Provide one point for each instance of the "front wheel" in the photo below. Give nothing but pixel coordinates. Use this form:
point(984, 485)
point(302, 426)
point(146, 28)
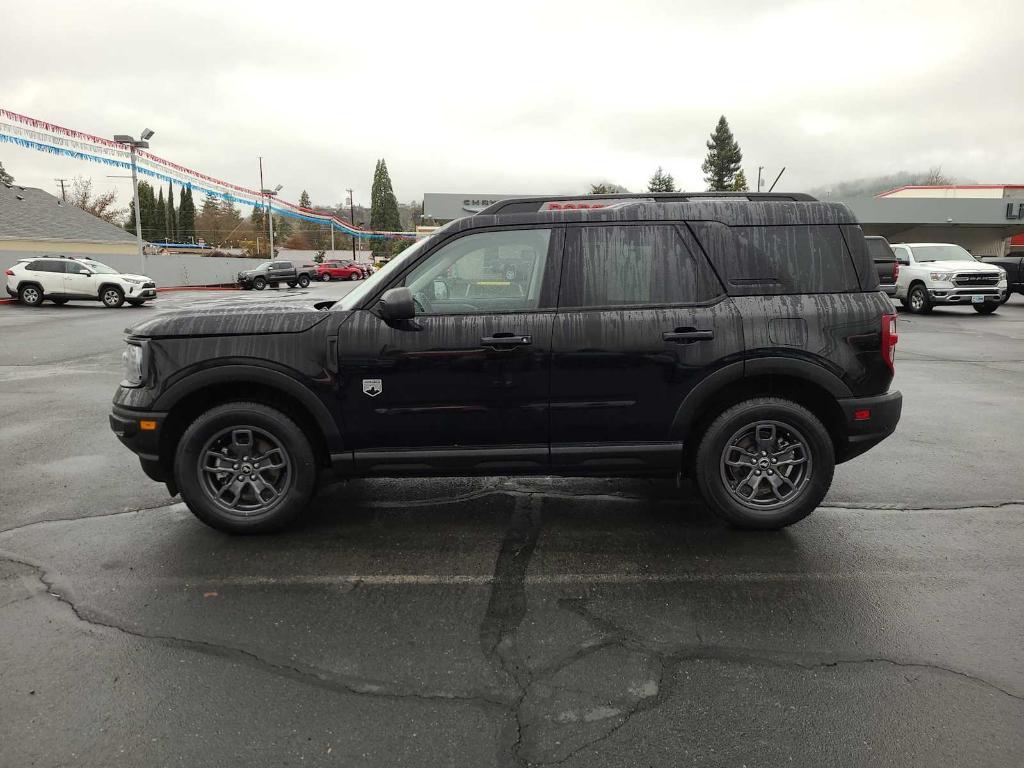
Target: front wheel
point(112, 297)
point(136, 302)
point(987, 308)
point(259, 283)
point(303, 281)
point(325, 277)
point(245, 468)
point(59, 302)
point(765, 463)
point(917, 300)
point(1006, 298)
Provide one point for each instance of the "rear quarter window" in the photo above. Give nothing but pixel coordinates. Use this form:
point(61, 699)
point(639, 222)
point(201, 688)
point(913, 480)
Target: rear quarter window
point(776, 260)
point(46, 266)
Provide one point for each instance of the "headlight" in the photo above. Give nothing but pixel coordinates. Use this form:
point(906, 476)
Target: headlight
point(134, 281)
point(131, 363)
point(942, 277)
point(1002, 275)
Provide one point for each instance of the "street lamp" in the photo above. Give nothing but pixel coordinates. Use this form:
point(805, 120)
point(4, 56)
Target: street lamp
point(270, 194)
point(135, 144)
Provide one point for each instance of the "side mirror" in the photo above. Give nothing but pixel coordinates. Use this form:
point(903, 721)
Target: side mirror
point(397, 304)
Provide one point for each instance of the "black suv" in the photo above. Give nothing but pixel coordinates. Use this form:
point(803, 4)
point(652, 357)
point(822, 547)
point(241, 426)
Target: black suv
point(738, 340)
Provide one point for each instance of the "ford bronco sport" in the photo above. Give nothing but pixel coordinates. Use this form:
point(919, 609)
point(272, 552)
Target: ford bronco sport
point(740, 340)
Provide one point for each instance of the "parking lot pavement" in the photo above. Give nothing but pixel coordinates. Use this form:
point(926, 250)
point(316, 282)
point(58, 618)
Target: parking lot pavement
point(509, 622)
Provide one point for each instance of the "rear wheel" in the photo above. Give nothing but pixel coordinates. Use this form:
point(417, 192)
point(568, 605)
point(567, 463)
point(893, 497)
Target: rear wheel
point(112, 297)
point(765, 463)
point(59, 302)
point(245, 468)
point(30, 295)
point(303, 281)
point(918, 301)
point(326, 277)
point(987, 308)
point(292, 283)
point(259, 283)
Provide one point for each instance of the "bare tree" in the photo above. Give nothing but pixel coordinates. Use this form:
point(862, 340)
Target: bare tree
point(936, 177)
point(101, 205)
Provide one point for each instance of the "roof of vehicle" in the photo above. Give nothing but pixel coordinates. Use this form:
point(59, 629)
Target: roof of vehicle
point(535, 204)
point(727, 208)
point(918, 245)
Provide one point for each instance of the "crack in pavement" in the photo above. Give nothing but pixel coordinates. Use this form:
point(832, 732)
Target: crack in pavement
point(303, 675)
point(102, 516)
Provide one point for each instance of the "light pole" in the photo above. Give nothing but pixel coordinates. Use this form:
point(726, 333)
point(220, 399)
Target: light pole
point(135, 144)
point(270, 194)
point(352, 218)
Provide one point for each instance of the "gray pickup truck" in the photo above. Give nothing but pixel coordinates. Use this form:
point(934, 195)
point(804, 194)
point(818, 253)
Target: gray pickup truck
point(885, 263)
point(1013, 263)
point(274, 273)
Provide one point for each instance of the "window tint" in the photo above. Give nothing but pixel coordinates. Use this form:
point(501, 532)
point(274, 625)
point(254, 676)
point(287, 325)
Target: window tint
point(771, 260)
point(632, 265)
point(879, 249)
point(282, 264)
point(482, 272)
point(46, 266)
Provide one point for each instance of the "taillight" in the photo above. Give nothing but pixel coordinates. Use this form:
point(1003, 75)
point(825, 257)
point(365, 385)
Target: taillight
point(895, 271)
point(889, 339)
point(9, 272)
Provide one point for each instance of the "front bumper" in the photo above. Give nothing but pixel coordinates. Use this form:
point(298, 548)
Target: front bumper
point(867, 421)
point(964, 295)
point(140, 431)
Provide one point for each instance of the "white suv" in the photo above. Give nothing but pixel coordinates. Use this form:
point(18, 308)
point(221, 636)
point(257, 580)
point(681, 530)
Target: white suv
point(942, 273)
point(61, 279)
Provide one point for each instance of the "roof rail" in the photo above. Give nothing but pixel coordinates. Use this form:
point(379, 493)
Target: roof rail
point(536, 204)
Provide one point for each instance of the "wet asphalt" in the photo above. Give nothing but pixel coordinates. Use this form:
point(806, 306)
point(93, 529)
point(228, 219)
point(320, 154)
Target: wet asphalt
point(503, 622)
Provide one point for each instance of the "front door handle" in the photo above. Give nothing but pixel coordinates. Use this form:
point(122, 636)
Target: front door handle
point(506, 340)
point(687, 335)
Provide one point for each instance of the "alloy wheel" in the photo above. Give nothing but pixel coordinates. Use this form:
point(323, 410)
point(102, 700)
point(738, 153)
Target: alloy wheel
point(244, 470)
point(766, 464)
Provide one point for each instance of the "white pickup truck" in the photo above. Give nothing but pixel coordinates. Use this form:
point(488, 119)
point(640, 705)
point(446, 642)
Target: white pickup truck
point(944, 274)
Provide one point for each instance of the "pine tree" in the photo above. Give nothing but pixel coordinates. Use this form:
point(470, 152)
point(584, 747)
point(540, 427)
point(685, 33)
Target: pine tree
point(172, 216)
point(383, 208)
point(606, 188)
point(304, 201)
point(723, 158)
point(5, 177)
point(186, 216)
point(147, 211)
point(661, 182)
point(739, 184)
point(160, 217)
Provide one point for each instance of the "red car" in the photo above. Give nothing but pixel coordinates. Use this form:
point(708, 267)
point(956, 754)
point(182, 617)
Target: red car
point(338, 270)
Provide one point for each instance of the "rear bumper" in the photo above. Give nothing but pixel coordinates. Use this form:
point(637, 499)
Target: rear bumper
point(889, 289)
point(868, 421)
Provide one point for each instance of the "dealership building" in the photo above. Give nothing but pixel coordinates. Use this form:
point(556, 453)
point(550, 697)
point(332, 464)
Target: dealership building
point(986, 219)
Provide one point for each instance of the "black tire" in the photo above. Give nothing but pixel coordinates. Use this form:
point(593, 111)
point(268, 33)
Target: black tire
point(59, 302)
point(30, 295)
point(136, 302)
point(303, 281)
point(259, 283)
point(293, 483)
point(721, 484)
point(353, 277)
point(987, 308)
point(292, 283)
point(325, 277)
point(1006, 297)
point(918, 302)
point(112, 296)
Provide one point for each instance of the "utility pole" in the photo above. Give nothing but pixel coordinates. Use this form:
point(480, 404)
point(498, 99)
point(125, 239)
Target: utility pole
point(264, 200)
point(759, 182)
point(63, 193)
point(136, 144)
point(269, 195)
point(352, 218)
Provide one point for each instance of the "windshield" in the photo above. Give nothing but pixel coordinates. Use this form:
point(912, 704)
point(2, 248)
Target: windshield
point(941, 253)
point(370, 284)
point(100, 269)
point(263, 265)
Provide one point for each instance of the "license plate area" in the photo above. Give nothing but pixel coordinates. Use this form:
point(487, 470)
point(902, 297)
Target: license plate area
point(977, 299)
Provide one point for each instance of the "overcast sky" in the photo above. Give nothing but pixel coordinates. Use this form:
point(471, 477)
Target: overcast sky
point(522, 97)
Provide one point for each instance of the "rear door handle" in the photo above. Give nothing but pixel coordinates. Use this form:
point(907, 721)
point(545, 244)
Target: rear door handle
point(506, 340)
point(687, 335)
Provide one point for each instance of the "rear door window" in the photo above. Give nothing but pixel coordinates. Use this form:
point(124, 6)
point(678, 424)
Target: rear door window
point(879, 250)
point(643, 265)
